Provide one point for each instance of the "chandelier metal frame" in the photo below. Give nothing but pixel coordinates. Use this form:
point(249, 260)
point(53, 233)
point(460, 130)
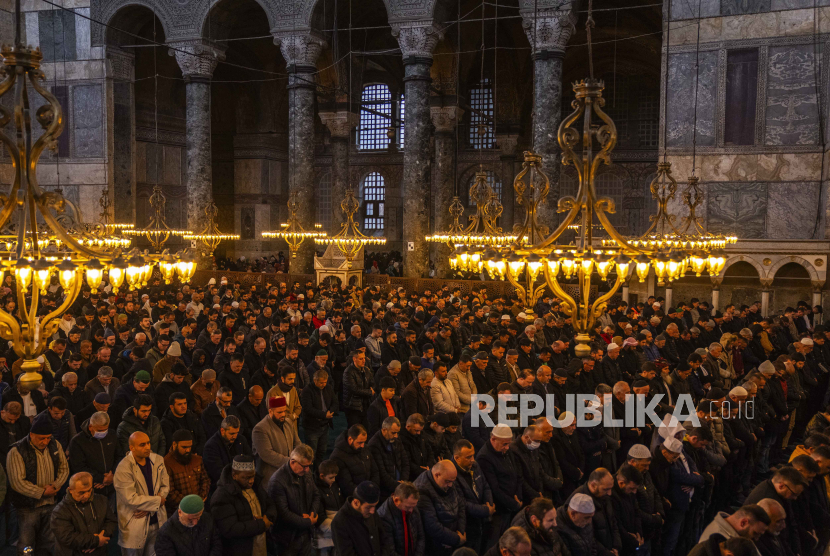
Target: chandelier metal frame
point(211, 236)
point(292, 231)
point(350, 240)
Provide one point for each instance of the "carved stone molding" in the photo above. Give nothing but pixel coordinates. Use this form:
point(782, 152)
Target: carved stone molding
point(445, 118)
point(300, 49)
point(507, 144)
point(341, 123)
point(121, 65)
point(552, 29)
point(416, 38)
point(197, 57)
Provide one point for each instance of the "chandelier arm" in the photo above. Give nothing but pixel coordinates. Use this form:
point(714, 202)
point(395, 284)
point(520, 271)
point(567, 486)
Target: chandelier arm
point(557, 289)
point(621, 241)
point(50, 135)
point(537, 293)
point(21, 302)
point(64, 236)
point(569, 219)
point(68, 299)
point(11, 331)
point(515, 283)
point(568, 137)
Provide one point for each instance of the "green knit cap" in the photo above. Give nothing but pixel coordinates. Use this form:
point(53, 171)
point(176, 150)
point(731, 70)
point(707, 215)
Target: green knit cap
point(191, 504)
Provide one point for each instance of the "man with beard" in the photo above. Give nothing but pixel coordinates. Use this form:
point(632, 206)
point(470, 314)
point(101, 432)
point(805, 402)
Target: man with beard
point(251, 410)
point(185, 469)
point(538, 520)
point(204, 391)
point(627, 482)
point(389, 349)
point(178, 417)
point(649, 500)
point(266, 377)
point(139, 418)
point(477, 494)
point(389, 456)
point(771, 543)
point(503, 474)
point(285, 388)
point(222, 447)
point(292, 359)
point(274, 438)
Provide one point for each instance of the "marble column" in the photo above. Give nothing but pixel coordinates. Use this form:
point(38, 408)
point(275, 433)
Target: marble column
point(445, 119)
point(340, 125)
point(416, 39)
point(625, 292)
point(715, 298)
point(668, 296)
point(197, 60)
point(817, 285)
point(548, 31)
point(765, 297)
point(301, 51)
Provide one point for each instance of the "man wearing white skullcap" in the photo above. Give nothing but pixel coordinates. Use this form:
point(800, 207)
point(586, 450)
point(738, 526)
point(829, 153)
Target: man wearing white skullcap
point(680, 477)
point(573, 523)
point(501, 469)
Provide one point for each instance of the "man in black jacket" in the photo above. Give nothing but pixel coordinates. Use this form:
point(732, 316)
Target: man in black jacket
point(504, 475)
point(83, 521)
point(221, 449)
point(418, 450)
point(240, 530)
point(355, 527)
point(251, 410)
point(627, 482)
point(568, 453)
point(443, 509)
point(358, 389)
point(477, 494)
point(390, 457)
point(178, 416)
point(320, 405)
point(353, 459)
point(402, 507)
point(13, 427)
point(538, 520)
point(298, 502)
point(93, 451)
point(606, 529)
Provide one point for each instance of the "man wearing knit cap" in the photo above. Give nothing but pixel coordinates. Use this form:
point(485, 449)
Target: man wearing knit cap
point(186, 471)
point(36, 468)
point(504, 475)
point(189, 531)
point(355, 528)
point(242, 509)
point(273, 439)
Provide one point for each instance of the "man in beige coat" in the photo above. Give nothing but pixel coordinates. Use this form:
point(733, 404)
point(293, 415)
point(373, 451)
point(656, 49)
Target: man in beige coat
point(463, 383)
point(284, 388)
point(140, 504)
point(273, 438)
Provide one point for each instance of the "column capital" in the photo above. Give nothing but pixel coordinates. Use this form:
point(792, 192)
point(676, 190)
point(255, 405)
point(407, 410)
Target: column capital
point(445, 118)
point(507, 144)
point(340, 123)
point(417, 39)
point(300, 49)
point(197, 58)
point(548, 31)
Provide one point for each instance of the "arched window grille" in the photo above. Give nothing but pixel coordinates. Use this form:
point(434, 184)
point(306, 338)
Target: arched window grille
point(375, 117)
point(374, 201)
point(481, 116)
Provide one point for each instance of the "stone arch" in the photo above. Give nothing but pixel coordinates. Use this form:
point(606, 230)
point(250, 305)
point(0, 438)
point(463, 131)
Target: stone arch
point(203, 10)
point(107, 10)
point(762, 274)
point(811, 270)
point(305, 15)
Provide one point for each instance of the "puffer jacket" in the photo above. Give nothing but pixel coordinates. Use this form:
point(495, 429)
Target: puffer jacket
point(580, 541)
point(391, 461)
point(391, 521)
point(132, 496)
point(606, 528)
point(130, 424)
point(357, 384)
point(97, 457)
point(286, 489)
point(175, 539)
point(75, 526)
point(355, 465)
point(237, 525)
point(542, 543)
point(443, 513)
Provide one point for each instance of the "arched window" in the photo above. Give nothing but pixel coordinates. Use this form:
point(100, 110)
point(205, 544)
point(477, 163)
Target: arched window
point(375, 117)
point(324, 208)
point(492, 180)
point(481, 116)
point(374, 199)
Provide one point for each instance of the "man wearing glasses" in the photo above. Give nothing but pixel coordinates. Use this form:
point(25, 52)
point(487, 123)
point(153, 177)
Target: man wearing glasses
point(298, 503)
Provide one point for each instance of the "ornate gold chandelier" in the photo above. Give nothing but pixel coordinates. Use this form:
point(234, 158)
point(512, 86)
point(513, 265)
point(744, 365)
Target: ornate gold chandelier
point(157, 232)
point(34, 253)
point(481, 231)
point(535, 261)
point(292, 231)
point(350, 240)
point(211, 237)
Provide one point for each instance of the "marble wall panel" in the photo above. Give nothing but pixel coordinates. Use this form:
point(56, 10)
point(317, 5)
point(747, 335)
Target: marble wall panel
point(681, 99)
point(737, 209)
point(792, 210)
point(88, 121)
point(688, 9)
point(56, 29)
point(791, 111)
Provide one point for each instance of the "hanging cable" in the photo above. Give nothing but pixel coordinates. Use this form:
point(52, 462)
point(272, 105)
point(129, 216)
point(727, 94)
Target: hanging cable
point(817, 81)
point(666, 87)
point(697, 79)
point(589, 24)
point(457, 95)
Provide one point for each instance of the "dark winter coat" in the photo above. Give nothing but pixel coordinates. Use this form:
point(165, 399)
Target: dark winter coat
point(580, 541)
point(391, 522)
point(171, 423)
point(504, 475)
point(542, 543)
point(418, 453)
point(287, 490)
point(97, 457)
point(355, 536)
point(175, 539)
point(391, 461)
point(443, 513)
point(232, 513)
point(355, 465)
point(606, 528)
point(218, 455)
